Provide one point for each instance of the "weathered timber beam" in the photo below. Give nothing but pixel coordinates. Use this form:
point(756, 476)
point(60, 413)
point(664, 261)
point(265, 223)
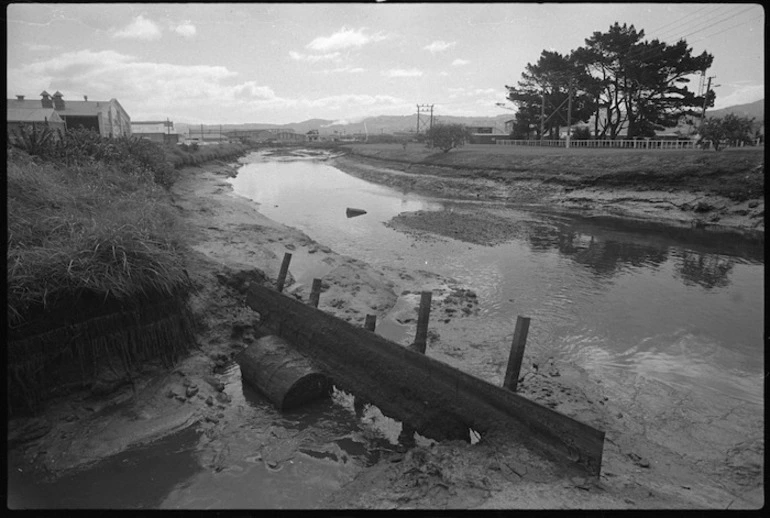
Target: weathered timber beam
point(438, 400)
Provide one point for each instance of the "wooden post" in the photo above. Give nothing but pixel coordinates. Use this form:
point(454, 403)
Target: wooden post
point(421, 337)
point(315, 292)
point(283, 272)
point(371, 322)
point(517, 353)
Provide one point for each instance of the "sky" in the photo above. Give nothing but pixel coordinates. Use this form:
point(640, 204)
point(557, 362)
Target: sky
point(220, 63)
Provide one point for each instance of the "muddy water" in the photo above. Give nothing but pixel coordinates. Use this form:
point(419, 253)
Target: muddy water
point(685, 307)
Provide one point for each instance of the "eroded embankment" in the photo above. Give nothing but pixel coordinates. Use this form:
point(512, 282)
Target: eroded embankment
point(645, 197)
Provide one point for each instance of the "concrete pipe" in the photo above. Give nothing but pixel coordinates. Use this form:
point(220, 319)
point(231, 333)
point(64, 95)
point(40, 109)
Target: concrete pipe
point(286, 377)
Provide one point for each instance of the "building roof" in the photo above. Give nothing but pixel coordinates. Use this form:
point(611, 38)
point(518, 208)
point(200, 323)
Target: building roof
point(33, 115)
point(76, 108)
point(168, 123)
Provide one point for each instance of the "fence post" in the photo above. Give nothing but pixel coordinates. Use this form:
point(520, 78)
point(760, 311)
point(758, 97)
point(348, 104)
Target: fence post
point(517, 353)
point(283, 272)
point(420, 339)
point(370, 323)
point(315, 292)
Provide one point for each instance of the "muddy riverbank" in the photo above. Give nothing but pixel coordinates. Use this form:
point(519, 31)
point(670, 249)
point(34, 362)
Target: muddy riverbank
point(648, 461)
point(567, 183)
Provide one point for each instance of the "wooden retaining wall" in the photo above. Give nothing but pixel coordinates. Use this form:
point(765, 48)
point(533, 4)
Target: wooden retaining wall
point(42, 364)
point(439, 401)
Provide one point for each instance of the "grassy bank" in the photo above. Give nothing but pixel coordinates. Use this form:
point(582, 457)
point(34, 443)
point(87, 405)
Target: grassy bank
point(737, 174)
point(183, 155)
point(93, 240)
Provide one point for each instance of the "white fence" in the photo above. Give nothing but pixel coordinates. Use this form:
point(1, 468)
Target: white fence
point(626, 144)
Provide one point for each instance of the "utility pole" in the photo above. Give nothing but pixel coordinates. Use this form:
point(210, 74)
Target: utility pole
point(569, 115)
point(542, 116)
point(705, 99)
point(423, 108)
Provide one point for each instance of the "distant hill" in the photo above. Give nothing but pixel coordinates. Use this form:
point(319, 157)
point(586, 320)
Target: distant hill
point(390, 124)
point(755, 109)
point(372, 125)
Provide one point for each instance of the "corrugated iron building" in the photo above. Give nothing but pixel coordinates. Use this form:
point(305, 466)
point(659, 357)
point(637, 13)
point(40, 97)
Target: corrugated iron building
point(107, 117)
point(161, 132)
point(33, 117)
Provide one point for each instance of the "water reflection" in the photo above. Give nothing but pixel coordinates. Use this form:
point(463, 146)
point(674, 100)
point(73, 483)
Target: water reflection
point(607, 256)
point(707, 270)
point(602, 257)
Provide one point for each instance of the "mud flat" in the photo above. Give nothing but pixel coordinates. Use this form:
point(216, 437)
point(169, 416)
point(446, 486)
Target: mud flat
point(694, 454)
point(685, 200)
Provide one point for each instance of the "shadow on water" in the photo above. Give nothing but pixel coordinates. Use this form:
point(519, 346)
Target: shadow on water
point(139, 478)
point(266, 459)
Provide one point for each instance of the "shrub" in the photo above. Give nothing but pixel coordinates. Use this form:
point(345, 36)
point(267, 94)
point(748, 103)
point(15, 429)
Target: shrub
point(730, 128)
point(581, 133)
point(446, 136)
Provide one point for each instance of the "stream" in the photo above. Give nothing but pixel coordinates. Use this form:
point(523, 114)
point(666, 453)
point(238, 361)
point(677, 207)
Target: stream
point(684, 307)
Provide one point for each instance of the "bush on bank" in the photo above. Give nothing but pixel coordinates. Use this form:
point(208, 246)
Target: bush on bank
point(94, 228)
point(183, 155)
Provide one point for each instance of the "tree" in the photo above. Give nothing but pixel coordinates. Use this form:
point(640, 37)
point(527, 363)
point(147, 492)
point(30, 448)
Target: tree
point(640, 85)
point(545, 88)
point(446, 136)
point(730, 128)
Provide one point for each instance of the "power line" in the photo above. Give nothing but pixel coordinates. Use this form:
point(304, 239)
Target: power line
point(716, 23)
point(655, 51)
point(688, 18)
point(725, 30)
point(689, 24)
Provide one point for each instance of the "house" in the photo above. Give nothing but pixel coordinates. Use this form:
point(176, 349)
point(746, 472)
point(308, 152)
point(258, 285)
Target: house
point(313, 136)
point(161, 132)
point(33, 118)
point(107, 117)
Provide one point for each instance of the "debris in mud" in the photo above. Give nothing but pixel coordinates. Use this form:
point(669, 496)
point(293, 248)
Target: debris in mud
point(352, 213)
point(638, 460)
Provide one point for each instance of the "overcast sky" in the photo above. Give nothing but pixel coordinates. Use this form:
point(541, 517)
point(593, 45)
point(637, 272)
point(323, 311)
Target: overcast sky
point(281, 63)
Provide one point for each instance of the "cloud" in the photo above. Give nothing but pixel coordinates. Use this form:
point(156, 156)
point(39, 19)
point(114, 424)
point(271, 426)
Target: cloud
point(204, 93)
point(35, 47)
point(185, 29)
point(340, 70)
point(400, 72)
point(460, 62)
point(343, 39)
point(439, 46)
point(314, 58)
point(141, 29)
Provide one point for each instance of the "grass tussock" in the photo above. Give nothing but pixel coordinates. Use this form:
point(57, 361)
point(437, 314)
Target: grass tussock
point(86, 229)
point(183, 155)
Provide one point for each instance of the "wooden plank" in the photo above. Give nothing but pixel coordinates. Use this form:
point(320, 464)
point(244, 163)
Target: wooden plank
point(423, 317)
point(283, 271)
point(517, 354)
point(315, 293)
point(439, 401)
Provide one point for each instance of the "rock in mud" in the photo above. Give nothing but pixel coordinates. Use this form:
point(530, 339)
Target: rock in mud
point(214, 382)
